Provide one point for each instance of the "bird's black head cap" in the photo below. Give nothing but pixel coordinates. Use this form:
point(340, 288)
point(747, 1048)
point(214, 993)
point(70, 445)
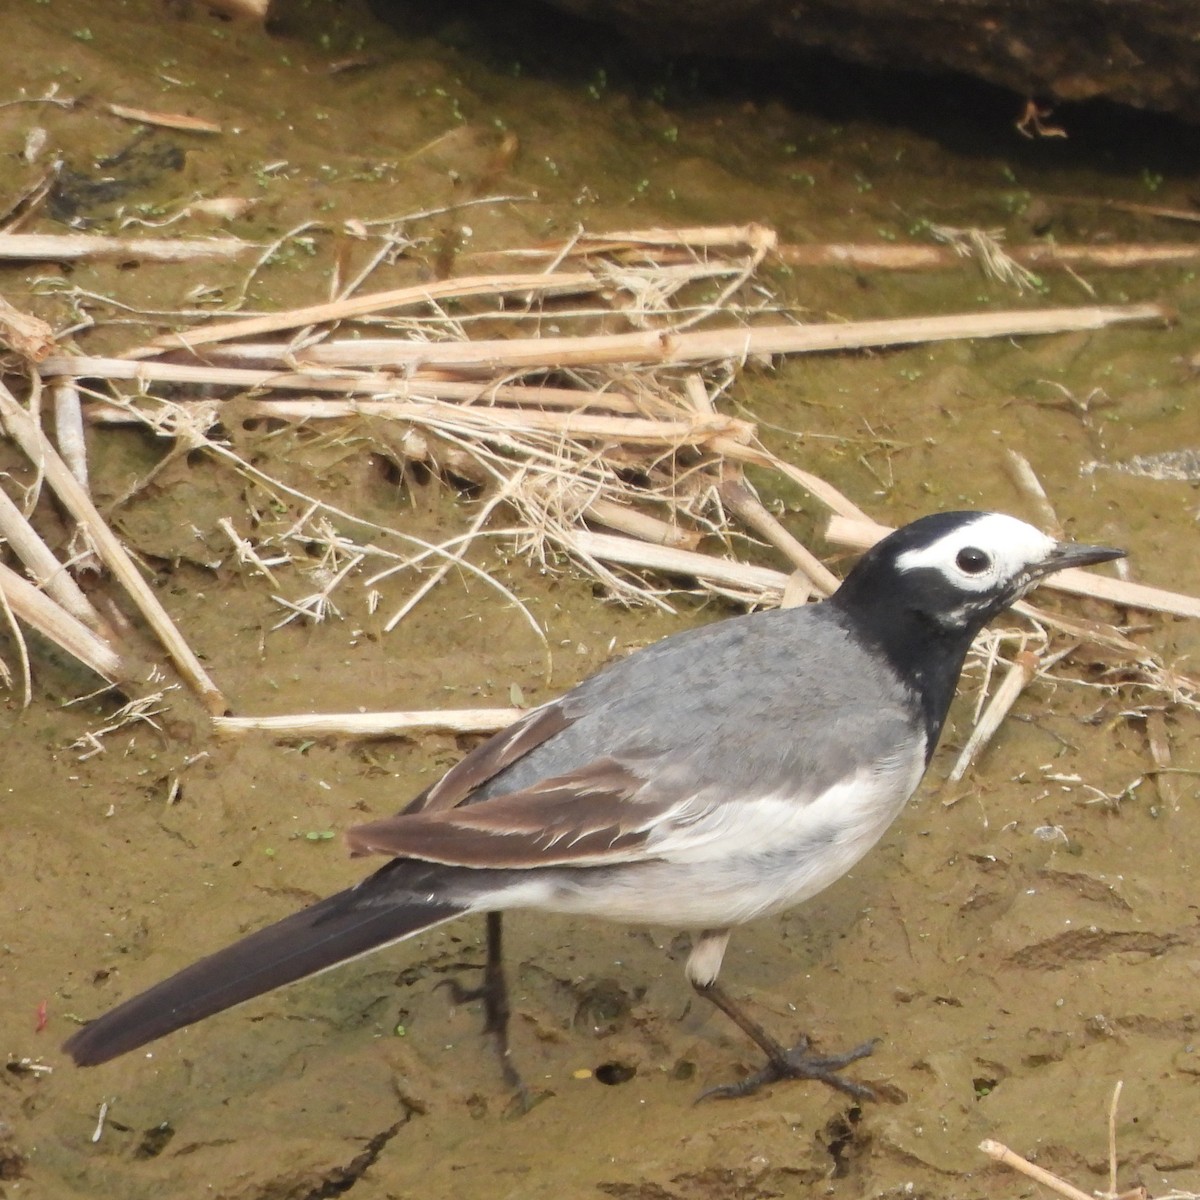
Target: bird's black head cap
point(923, 593)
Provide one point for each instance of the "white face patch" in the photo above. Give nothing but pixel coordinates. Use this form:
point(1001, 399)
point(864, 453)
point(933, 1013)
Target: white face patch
point(985, 555)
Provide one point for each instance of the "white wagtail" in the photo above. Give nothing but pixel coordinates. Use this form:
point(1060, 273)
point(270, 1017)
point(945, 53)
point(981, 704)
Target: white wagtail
point(722, 774)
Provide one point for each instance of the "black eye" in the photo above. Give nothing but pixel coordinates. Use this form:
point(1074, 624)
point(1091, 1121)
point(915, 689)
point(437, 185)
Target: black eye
point(972, 560)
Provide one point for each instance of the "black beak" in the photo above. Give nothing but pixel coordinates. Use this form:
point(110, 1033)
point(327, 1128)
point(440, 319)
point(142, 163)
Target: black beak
point(1074, 554)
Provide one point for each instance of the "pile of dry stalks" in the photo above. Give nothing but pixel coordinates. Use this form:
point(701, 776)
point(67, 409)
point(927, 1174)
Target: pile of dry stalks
point(581, 399)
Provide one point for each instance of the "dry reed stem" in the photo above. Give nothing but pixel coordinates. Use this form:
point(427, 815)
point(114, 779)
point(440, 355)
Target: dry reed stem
point(753, 237)
point(143, 373)
point(877, 256)
point(245, 551)
point(1159, 742)
point(637, 348)
point(374, 302)
point(636, 524)
point(1026, 479)
point(164, 120)
point(28, 435)
point(1022, 671)
point(35, 608)
point(68, 429)
point(51, 576)
point(885, 256)
point(663, 347)
point(18, 638)
point(479, 394)
point(1112, 1137)
point(1073, 580)
point(763, 583)
point(481, 422)
point(818, 488)
point(1010, 1158)
point(743, 503)
point(374, 725)
point(29, 336)
point(64, 247)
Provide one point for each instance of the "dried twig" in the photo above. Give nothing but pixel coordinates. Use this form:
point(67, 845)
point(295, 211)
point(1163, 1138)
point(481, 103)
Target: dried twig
point(18, 637)
point(375, 302)
point(745, 504)
point(1023, 669)
point(64, 247)
point(1026, 479)
point(667, 348)
point(532, 395)
point(73, 636)
point(484, 422)
point(68, 429)
point(1112, 1138)
point(625, 519)
point(164, 120)
point(372, 725)
point(41, 563)
point(22, 428)
point(763, 584)
point(245, 551)
point(692, 238)
point(888, 256)
point(1010, 1158)
point(868, 256)
point(612, 442)
point(29, 336)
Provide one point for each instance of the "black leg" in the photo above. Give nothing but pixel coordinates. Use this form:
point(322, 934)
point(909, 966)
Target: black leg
point(782, 1063)
point(493, 991)
point(496, 1007)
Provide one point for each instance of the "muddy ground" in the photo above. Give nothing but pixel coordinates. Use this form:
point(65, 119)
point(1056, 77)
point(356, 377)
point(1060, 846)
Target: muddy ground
point(1020, 941)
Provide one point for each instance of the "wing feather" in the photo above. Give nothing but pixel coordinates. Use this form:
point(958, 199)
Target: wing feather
point(487, 760)
point(587, 817)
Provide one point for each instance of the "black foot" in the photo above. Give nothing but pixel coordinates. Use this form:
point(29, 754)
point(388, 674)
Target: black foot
point(797, 1063)
point(495, 1026)
point(459, 994)
point(494, 994)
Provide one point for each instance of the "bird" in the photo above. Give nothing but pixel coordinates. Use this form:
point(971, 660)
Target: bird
point(721, 775)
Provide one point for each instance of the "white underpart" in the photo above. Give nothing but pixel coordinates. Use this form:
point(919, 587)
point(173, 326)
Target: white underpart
point(738, 860)
point(1012, 545)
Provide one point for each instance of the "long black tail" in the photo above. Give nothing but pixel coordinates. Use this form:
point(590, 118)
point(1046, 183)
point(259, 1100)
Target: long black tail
point(383, 908)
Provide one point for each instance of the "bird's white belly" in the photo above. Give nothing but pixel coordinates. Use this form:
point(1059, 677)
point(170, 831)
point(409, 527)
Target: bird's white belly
point(751, 859)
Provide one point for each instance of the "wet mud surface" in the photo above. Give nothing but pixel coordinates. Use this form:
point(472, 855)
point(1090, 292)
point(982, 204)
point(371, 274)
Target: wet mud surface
point(1019, 942)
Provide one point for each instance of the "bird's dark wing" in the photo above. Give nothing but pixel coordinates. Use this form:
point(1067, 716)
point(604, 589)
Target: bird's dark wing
point(487, 760)
point(585, 818)
point(645, 806)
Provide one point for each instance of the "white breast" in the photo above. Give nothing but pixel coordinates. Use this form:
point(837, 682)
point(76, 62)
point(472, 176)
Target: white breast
point(739, 860)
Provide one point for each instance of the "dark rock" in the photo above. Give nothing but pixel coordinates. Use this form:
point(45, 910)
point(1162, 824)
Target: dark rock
point(1143, 53)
